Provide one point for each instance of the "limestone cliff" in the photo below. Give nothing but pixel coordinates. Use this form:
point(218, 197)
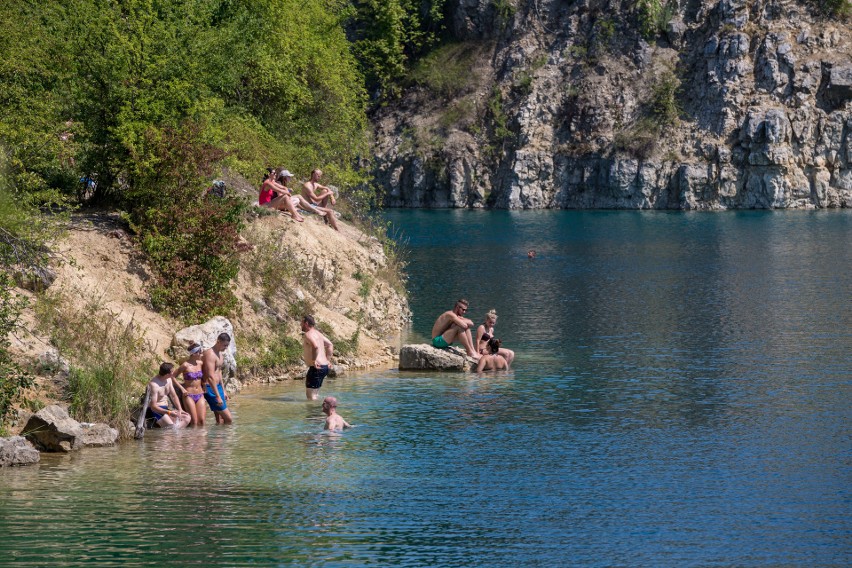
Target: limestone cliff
point(710, 105)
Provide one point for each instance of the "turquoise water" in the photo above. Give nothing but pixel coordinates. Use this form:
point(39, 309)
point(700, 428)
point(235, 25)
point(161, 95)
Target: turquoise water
point(681, 396)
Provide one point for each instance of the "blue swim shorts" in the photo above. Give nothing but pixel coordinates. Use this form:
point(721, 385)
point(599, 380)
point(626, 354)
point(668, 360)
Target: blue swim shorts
point(211, 398)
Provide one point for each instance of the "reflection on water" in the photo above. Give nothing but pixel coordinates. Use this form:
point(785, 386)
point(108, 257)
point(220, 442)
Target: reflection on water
point(680, 397)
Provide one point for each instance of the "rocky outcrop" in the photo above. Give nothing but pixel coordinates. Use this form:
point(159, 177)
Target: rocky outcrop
point(568, 106)
point(206, 334)
point(425, 357)
point(17, 451)
point(98, 435)
point(51, 429)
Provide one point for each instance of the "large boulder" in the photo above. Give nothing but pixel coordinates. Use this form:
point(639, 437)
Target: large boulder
point(206, 334)
point(17, 451)
point(98, 435)
point(425, 357)
point(52, 430)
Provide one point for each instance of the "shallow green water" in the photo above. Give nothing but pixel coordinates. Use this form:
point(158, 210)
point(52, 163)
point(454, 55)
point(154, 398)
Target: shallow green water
point(681, 397)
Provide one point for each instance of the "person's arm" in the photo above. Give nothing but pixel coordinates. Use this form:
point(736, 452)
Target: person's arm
point(315, 347)
point(481, 365)
point(480, 331)
point(463, 323)
point(172, 394)
point(329, 348)
point(208, 366)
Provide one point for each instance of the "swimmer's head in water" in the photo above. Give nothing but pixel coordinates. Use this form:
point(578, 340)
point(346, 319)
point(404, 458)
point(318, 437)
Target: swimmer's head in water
point(328, 403)
point(494, 345)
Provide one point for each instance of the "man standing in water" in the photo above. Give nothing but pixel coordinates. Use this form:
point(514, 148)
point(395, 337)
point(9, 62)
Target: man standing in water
point(451, 326)
point(317, 350)
point(211, 368)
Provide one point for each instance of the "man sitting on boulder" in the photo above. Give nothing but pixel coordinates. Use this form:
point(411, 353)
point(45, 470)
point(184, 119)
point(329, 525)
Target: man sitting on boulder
point(451, 326)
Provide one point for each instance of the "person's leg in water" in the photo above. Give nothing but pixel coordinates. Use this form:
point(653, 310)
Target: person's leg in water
point(201, 411)
point(507, 354)
point(189, 404)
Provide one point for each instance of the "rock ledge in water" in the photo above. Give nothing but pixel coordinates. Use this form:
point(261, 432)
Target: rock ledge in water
point(425, 357)
point(17, 451)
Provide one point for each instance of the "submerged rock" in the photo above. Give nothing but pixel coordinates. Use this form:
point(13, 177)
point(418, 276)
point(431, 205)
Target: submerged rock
point(426, 357)
point(17, 451)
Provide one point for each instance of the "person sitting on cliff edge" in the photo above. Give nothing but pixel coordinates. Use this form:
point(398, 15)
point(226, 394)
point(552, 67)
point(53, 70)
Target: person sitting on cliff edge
point(451, 326)
point(320, 196)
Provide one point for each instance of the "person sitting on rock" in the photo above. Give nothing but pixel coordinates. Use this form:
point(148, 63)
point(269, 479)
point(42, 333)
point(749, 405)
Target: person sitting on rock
point(160, 390)
point(451, 326)
point(492, 361)
point(334, 421)
point(321, 197)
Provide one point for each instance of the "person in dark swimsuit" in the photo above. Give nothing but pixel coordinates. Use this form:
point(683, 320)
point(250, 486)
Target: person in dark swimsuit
point(485, 332)
point(192, 389)
point(491, 361)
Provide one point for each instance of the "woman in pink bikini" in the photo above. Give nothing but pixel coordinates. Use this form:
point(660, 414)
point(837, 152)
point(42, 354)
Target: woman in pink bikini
point(193, 392)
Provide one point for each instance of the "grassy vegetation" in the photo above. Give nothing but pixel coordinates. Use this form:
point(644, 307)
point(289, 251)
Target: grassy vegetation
point(654, 16)
point(660, 112)
point(447, 71)
point(110, 360)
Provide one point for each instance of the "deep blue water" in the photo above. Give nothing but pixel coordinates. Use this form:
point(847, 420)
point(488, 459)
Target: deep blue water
point(681, 397)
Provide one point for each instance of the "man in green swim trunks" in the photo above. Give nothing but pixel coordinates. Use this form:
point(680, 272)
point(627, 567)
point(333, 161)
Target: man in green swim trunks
point(451, 326)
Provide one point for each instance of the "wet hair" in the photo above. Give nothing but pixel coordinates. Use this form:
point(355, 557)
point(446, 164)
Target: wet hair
point(492, 314)
point(166, 368)
point(494, 345)
point(224, 337)
point(309, 320)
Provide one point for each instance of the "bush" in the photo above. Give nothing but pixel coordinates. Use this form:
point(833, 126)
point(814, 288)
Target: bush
point(447, 71)
point(654, 16)
point(189, 237)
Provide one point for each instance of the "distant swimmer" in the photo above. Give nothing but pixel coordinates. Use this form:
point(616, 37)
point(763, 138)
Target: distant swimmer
point(492, 361)
point(317, 351)
point(451, 326)
point(531, 253)
point(334, 420)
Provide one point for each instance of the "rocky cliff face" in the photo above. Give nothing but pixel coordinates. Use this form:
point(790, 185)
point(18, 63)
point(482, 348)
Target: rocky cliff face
point(709, 105)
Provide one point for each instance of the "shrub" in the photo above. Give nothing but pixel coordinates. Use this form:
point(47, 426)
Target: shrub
point(110, 360)
point(447, 71)
point(654, 16)
point(189, 237)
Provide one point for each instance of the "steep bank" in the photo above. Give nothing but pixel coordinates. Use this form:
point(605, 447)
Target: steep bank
point(343, 278)
point(550, 104)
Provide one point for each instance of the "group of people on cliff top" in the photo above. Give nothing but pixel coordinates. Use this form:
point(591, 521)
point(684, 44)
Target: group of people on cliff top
point(487, 350)
point(275, 193)
point(203, 387)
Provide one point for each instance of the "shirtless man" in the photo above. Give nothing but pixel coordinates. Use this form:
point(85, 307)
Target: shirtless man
point(211, 369)
point(161, 390)
point(334, 420)
point(451, 326)
point(317, 350)
point(320, 196)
